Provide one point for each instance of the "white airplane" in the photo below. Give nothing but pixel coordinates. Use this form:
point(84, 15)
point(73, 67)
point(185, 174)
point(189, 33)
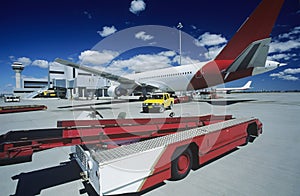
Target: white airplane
point(228, 90)
point(244, 55)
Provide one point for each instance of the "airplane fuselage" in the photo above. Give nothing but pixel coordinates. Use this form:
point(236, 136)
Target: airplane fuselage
point(175, 78)
point(195, 76)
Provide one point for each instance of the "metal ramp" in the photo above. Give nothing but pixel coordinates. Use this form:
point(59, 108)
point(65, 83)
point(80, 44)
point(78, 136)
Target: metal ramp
point(34, 93)
point(106, 156)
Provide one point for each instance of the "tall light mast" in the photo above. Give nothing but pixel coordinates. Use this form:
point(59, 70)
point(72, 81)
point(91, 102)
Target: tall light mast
point(179, 26)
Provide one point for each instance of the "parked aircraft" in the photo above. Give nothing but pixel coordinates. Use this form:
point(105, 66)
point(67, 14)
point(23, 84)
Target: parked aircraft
point(244, 55)
point(228, 90)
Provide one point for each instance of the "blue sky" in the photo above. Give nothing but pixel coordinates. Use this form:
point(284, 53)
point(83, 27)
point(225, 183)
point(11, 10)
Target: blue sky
point(36, 32)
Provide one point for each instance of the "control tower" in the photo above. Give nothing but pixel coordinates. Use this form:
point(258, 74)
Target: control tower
point(18, 68)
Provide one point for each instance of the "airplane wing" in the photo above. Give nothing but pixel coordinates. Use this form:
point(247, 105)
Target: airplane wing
point(126, 83)
point(113, 77)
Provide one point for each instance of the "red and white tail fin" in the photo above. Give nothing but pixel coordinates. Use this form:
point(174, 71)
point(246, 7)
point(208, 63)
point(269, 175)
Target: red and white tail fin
point(257, 27)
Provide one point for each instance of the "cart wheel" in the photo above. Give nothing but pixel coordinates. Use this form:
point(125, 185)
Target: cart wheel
point(181, 166)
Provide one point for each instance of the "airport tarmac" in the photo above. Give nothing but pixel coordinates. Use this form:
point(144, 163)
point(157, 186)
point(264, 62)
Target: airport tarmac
point(269, 166)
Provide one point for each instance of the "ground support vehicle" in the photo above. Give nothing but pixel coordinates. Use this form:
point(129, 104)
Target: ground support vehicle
point(131, 155)
point(21, 108)
point(158, 102)
point(142, 165)
point(11, 98)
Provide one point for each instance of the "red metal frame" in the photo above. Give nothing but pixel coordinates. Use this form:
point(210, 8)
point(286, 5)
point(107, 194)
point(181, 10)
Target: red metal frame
point(21, 108)
point(107, 133)
point(209, 146)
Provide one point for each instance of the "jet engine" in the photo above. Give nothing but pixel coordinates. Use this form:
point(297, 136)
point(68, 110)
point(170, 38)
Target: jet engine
point(116, 91)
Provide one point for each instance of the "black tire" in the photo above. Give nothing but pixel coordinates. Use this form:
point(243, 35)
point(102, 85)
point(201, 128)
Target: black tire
point(171, 106)
point(247, 140)
point(251, 133)
point(181, 166)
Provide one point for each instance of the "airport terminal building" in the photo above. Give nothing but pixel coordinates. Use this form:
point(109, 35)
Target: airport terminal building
point(63, 82)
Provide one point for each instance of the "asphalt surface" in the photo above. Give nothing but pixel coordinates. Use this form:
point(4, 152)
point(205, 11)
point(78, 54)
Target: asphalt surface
point(269, 166)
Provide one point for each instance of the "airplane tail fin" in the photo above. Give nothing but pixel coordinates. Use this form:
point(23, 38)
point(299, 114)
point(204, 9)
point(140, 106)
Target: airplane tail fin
point(247, 85)
point(257, 27)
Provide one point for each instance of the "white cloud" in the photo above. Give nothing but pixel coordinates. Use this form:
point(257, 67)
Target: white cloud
point(137, 6)
point(146, 62)
point(106, 31)
point(92, 57)
point(55, 65)
point(40, 63)
point(185, 60)
point(24, 60)
point(286, 46)
point(281, 56)
point(213, 52)
point(286, 42)
point(285, 77)
point(89, 15)
point(289, 77)
point(12, 58)
point(168, 53)
point(292, 71)
point(143, 36)
point(292, 34)
point(214, 43)
point(143, 62)
point(208, 39)
point(287, 74)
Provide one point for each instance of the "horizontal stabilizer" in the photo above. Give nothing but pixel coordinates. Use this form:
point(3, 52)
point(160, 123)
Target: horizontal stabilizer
point(255, 55)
